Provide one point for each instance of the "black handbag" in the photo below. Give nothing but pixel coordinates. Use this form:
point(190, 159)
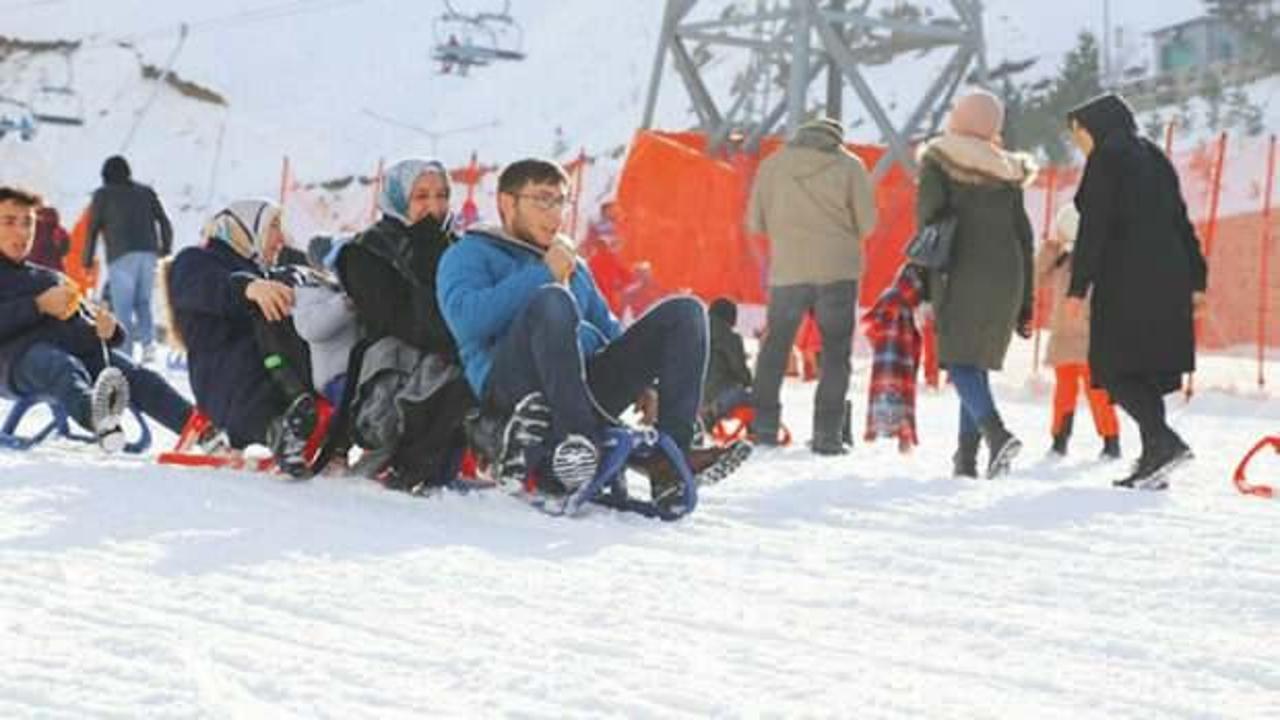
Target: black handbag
point(931, 246)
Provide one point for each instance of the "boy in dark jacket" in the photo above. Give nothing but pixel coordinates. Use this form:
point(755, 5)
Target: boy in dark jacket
point(52, 344)
point(728, 383)
point(249, 369)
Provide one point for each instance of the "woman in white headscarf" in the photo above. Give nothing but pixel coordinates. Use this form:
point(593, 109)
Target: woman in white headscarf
point(247, 366)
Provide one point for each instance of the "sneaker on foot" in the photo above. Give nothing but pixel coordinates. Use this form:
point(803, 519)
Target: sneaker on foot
point(528, 427)
point(574, 462)
point(289, 434)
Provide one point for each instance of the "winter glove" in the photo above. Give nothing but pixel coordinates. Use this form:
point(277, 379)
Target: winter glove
point(1024, 323)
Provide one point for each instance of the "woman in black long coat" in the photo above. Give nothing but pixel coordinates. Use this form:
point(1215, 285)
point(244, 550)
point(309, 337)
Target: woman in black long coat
point(1138, 254)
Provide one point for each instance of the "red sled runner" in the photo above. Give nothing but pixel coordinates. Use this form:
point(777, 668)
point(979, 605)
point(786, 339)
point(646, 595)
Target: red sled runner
point(190, 451)
point(1242, 483)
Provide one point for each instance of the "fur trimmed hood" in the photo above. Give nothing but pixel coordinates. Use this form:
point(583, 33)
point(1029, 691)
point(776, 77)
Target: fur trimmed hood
point(977, 162)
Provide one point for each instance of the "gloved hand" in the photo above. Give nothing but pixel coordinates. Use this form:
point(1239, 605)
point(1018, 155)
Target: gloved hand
point(1024, 323)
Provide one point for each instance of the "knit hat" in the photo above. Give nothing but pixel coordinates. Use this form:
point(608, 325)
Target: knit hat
point(398, 181)
point(978, 114)
point(827, 125)
point(724, 309)
point(242, 225)
point(116, 170)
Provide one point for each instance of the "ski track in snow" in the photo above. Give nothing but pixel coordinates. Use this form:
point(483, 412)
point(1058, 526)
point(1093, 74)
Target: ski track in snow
point(868, 586)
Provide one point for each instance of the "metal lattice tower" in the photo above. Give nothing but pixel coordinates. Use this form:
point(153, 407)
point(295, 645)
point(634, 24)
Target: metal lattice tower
point(837, 30)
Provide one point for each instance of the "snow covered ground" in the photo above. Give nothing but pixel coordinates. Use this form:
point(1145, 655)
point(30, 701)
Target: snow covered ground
point(868, 586)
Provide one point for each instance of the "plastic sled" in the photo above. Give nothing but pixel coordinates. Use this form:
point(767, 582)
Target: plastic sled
point(737, 424)
point(609, 488)
point(188, 453)
point(1242, 483)
point(60, 426)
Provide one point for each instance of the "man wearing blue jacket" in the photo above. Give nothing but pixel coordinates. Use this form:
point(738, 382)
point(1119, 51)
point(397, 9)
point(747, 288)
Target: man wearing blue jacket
point(51, 343)
point(536, 336)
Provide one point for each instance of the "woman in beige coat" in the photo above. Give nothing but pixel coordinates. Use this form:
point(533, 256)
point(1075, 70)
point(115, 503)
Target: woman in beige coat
point(1068, 352)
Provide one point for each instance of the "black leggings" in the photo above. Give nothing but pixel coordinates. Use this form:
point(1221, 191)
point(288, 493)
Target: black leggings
point(1142, 397)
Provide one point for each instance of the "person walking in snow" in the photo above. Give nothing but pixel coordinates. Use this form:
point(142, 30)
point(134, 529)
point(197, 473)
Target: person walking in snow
point(136, 232)
point(51, 343)
point(541, 347)
point(814, 201)
point(232, 309)
point(1138, 261)
point(984, 295)
point(1068, 351)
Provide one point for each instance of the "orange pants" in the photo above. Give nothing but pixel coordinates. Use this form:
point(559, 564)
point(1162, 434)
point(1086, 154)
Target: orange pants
point(1071, 378)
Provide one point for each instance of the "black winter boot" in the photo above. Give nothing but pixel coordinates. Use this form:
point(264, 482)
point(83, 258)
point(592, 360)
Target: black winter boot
point(965, 460)
point(1002, 446)
point(1111, 448)
point(1063, 435)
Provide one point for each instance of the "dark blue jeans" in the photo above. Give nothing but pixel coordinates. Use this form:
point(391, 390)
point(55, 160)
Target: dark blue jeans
point(976, 402)
point(46, 369)
point(540, 352)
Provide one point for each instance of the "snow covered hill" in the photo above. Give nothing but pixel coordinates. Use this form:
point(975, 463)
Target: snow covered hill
point(868, 586)
point(318, 80)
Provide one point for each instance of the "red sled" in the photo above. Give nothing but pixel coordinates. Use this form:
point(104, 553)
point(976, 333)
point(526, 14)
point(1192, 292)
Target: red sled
point(1242, 483)
point(187, 452)
point(734, 427)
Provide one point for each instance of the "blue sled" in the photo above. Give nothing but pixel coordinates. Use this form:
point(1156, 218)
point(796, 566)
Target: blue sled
point(61, 425)
point(609, 489)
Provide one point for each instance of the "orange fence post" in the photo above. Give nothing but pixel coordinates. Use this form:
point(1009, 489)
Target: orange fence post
point(1264, 273)
point(1051, 186)
point(284, 179)
point(1211, 229)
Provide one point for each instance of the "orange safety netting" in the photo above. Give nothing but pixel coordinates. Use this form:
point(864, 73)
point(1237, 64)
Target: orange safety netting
point(1226, 185)
point(682, 211)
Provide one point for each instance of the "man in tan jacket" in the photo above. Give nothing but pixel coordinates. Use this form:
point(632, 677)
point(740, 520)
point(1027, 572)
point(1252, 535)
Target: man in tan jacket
point(814, 200)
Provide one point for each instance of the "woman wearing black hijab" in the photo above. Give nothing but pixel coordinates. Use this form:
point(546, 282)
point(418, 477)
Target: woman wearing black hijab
point(1138, 254)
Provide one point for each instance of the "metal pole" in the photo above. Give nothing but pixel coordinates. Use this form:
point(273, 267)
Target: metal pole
point(1264, 276)
point(798, 84)
point(671, 16)
point(1211, 231)
point(835, 83)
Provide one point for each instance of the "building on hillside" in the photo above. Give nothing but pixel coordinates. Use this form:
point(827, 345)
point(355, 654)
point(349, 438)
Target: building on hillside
point(1190, 58)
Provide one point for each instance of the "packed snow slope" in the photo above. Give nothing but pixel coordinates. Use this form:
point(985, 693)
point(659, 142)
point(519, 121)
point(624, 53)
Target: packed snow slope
point(868, 586)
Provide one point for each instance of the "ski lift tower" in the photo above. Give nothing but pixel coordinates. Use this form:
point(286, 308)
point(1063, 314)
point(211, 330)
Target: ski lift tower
point(848, 39)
